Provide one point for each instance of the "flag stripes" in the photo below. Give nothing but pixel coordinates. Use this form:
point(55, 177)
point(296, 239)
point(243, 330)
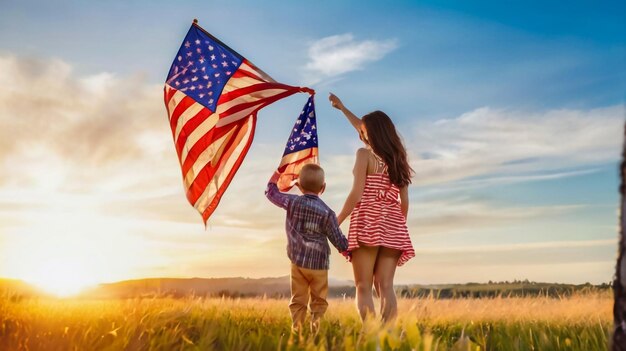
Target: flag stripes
point(211, 145)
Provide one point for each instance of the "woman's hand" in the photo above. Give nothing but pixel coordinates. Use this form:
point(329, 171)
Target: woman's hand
point(354, 120)
point(335, 101)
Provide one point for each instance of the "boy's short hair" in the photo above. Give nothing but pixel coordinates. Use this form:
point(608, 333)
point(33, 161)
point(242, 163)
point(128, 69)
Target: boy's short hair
point(311, 178)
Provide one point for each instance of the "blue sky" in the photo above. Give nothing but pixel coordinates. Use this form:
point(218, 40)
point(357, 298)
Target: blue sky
point(511, 112)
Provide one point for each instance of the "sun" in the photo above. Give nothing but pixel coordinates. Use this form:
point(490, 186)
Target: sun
point(69, 245)
point(61, 277)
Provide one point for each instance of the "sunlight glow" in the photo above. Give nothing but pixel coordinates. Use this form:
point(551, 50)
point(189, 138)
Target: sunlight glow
point(65, 244)
point(61, 277)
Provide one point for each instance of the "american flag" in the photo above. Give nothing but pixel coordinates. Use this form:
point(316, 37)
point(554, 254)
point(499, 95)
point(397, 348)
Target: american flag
point(301, 147)
point(212, 95)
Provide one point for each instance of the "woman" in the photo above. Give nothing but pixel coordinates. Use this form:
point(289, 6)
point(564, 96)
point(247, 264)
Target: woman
point(377, 205)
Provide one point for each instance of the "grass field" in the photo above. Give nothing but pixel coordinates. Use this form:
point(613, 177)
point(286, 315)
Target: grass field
point(579, 322)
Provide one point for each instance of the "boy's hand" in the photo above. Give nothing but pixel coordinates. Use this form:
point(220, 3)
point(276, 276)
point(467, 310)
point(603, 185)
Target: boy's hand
point(348, 255)
point(274, 178)
point(335, 101)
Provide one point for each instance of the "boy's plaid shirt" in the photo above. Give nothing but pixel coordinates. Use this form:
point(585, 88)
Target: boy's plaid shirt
point(309, 222)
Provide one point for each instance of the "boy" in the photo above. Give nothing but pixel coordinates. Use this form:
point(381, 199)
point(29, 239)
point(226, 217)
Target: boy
point(309, 222)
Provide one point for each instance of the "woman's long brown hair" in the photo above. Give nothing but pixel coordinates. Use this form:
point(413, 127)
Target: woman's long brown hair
point(386, 143)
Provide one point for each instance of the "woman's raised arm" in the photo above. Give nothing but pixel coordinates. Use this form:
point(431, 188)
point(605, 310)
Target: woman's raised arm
point(352, 118)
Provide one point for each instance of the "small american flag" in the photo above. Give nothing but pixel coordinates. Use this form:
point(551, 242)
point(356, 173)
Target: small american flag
point(212, 95)
point(301, 147)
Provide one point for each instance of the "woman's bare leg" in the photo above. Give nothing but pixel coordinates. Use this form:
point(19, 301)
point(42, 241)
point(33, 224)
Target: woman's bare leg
point(384, 271)
point(363, 261)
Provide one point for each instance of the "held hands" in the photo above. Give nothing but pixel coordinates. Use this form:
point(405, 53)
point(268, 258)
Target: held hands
point(347, 254)
point(335, 101)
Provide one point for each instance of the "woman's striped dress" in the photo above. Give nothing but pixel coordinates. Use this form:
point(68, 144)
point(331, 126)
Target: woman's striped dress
point(377, 219)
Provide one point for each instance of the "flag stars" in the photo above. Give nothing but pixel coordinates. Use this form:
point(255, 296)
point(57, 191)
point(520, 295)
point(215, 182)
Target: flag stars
point(203, 69)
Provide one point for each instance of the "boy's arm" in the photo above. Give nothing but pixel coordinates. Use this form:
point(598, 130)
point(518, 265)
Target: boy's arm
point(335, 235)
point(275, 196)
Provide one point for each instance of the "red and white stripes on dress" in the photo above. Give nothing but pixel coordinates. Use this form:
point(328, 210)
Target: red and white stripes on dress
point(377, 219)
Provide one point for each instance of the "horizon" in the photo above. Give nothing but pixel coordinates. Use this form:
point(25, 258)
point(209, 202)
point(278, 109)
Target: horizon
point(512, 119)
point(330, 278)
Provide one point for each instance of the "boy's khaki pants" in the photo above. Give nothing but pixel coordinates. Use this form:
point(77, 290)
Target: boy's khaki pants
point(304, 282)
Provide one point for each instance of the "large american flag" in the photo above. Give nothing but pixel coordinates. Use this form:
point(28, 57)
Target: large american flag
point(301, 148)
point(212, 95)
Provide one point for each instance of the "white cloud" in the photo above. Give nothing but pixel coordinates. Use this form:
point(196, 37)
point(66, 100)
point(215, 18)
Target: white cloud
point(501, 143)
point(436, 216)
point(96, 125)
point(338, 54)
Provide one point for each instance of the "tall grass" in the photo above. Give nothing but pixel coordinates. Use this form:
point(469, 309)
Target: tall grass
point(579, 322)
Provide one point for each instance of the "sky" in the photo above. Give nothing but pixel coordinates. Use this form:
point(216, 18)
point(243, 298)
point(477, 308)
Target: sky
point(512, 114)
